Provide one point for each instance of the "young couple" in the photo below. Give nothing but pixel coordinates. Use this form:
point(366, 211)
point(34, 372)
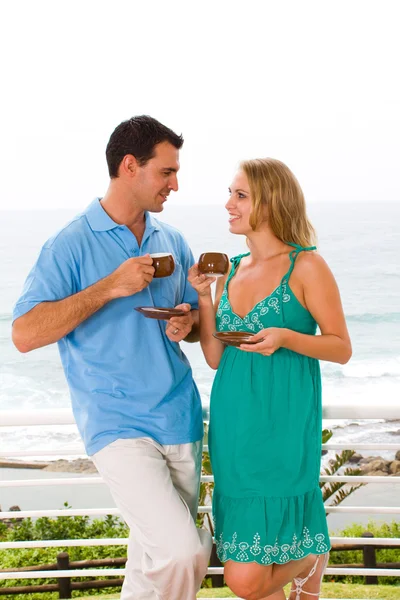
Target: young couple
point(134, 399)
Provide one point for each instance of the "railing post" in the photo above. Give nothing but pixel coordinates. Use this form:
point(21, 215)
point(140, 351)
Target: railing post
point(369, 558)
point(64, 583)
point(217, 580)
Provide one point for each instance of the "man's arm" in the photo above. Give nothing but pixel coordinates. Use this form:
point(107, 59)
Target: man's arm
point(48, 322)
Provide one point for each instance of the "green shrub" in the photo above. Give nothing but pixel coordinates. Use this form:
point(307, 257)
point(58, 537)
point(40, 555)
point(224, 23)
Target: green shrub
point(387, 530)
point(60, 528)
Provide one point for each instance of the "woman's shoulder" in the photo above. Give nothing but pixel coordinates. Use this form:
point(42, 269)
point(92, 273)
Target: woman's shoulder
point(310, 264)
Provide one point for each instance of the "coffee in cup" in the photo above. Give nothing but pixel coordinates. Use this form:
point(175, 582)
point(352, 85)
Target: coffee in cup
point(163, 263)
point(213, 264)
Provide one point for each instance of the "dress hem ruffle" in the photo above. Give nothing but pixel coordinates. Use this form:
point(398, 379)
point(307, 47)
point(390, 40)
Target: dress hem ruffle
point(242, 552)
point(269, 530)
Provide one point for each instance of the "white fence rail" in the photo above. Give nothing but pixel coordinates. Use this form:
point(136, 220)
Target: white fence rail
point(343, 541)
point(64, 416)
point(205, 478)
point(96, 512)
point(80, 451)
point(211, 571)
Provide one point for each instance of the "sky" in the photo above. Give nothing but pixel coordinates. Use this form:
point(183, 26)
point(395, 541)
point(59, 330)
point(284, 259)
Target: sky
point(314, 84)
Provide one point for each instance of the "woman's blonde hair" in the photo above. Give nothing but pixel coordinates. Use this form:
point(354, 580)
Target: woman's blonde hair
point(277, 196)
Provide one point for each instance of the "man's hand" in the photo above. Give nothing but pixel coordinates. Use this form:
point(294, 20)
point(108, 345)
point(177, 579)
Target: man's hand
point(179, 327)
point(131, 277)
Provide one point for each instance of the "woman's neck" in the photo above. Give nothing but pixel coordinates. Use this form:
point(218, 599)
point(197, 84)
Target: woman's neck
point(263, 245)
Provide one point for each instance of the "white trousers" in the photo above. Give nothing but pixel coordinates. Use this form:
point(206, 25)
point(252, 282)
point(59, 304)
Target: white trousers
point(156, 489)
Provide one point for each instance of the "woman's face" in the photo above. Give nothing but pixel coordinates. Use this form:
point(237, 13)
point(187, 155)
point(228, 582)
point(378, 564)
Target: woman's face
point(239, 205)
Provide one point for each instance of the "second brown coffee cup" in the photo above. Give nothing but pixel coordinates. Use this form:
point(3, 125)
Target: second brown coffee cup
point(163, 263)
point(213, 264)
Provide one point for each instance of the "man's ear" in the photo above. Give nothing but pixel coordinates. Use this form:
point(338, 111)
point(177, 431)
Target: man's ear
point(128, 166)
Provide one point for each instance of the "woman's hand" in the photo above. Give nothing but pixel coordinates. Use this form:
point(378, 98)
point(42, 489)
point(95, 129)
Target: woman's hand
point(268, 341)
point(200, 282)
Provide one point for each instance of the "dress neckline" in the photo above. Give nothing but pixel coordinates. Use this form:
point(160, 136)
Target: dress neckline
point(236, 263)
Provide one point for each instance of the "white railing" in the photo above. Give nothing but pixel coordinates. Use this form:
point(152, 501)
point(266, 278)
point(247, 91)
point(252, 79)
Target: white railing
point(65, 417)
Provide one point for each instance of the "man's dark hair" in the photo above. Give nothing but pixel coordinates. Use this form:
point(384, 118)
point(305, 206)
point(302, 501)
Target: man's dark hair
point(138, 136)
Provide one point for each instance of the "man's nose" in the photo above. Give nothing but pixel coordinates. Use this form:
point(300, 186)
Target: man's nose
point(173, 183)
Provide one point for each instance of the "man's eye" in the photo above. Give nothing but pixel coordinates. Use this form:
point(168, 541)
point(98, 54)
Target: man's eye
point(167, 172)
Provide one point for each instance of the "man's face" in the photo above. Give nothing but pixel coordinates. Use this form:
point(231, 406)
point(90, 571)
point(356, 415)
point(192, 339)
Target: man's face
point(154, 181)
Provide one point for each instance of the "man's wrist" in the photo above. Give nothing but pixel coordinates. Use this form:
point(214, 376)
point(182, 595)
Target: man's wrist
point(106, 289)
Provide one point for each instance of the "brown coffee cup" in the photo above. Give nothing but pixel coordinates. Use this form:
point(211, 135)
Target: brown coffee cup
point(163, 263)
point(213, 264)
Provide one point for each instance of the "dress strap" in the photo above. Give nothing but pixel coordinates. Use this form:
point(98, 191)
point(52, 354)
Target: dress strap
point(292, 255)
point(235, 260)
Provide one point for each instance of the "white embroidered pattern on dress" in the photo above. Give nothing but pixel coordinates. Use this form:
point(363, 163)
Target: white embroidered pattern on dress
point(232, 321)
point(243, 552)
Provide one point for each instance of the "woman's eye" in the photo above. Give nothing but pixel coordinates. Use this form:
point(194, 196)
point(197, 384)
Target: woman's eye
point(241, 195)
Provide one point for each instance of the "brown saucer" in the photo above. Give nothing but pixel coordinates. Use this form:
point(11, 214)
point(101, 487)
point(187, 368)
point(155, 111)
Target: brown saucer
point(155, 312)
point(234, 338)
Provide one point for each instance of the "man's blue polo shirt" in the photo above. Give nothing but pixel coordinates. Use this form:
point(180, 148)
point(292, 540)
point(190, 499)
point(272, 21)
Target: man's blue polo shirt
point(126, 378)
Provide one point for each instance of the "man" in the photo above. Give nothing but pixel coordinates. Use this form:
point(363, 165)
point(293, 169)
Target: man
point(133, 396)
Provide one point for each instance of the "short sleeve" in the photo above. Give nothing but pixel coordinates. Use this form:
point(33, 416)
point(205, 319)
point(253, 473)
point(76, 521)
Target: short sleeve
point(50, 279)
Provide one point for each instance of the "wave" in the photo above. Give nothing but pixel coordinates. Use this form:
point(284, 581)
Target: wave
point(393, 317)
point(364, 369)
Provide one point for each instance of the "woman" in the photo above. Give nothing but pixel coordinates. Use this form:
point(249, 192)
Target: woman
point(265, 419)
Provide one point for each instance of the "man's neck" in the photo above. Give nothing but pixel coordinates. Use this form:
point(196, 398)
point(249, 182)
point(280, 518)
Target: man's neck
point(138, 230)
point(121, 208)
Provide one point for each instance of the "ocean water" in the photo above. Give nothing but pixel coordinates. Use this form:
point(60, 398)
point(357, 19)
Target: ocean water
point(360, 243)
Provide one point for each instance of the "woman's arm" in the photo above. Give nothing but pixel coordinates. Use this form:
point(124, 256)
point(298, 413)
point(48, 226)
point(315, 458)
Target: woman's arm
point(322, 299)
point(212, 348)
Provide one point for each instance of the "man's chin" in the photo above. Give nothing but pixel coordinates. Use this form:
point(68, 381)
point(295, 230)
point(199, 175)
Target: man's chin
point(157, 207)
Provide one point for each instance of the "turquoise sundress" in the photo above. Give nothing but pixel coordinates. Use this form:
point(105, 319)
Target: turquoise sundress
point(265, 437)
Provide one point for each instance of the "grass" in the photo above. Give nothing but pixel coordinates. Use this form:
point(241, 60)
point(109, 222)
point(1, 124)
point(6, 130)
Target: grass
point(329, 590)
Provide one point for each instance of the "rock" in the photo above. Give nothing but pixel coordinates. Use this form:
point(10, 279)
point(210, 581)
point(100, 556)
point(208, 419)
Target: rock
point(397, 457)
point(379, 473)
point(356, 458)
point(369, 459)
point(395, 467)
point(375, 466)
point(364, 468)
point(19, 464)
point(79, 465)
point(379, 465)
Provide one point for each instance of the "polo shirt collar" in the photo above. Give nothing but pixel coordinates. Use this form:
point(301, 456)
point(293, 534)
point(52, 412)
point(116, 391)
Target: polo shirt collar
point(151, 223)
point(99, 220)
